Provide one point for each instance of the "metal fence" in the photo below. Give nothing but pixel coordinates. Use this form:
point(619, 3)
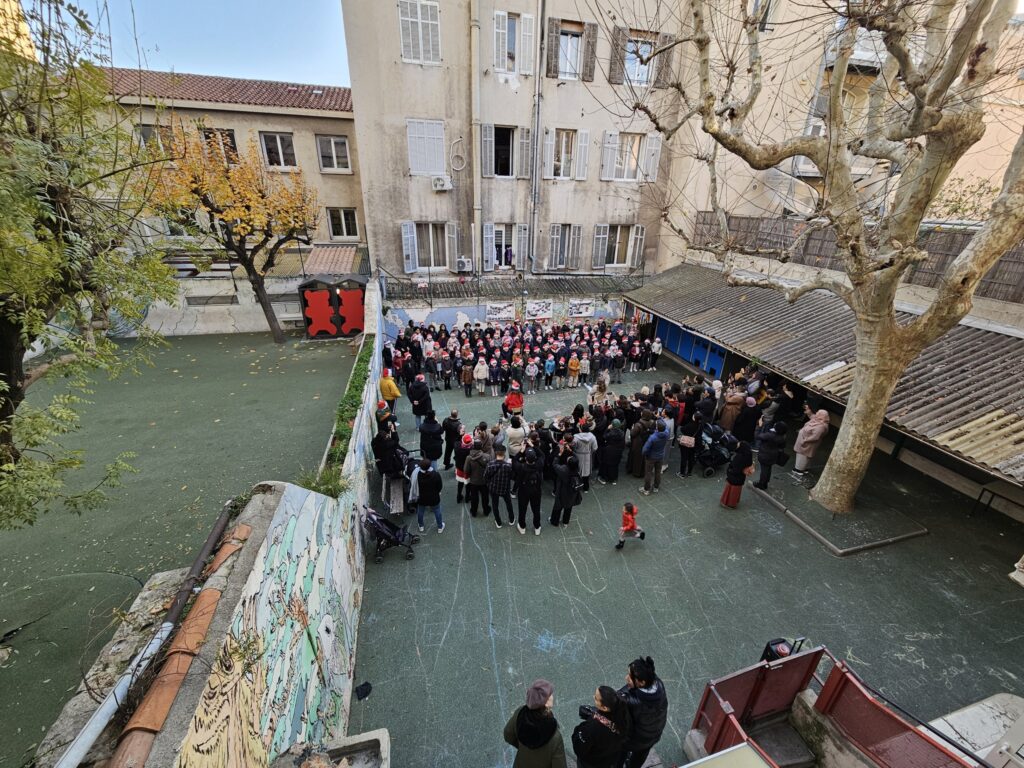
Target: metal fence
point(1005, 281)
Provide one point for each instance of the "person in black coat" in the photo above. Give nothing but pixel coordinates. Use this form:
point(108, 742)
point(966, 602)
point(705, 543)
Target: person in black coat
point(740, 465)
point(419, 396)
point(431, 439)
point(452, 427)
point(599, 740)
point(771, 445)
point(611, 453)
point(529, 479)
point(567, 475)
point(644, 694)
point(385, 447)
point(746, 424)
point(429, 484)
point(690, 428)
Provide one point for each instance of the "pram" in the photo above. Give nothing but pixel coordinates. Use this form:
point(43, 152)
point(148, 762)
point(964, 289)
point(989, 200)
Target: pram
point(388, 535)
point(395, 489)
point(715, 449)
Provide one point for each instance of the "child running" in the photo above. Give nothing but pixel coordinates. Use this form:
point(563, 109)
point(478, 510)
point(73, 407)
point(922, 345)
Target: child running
point(629, 527)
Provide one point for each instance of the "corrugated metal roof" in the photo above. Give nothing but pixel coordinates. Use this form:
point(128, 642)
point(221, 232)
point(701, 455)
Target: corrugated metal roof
point(961, 393)
point(493, 286)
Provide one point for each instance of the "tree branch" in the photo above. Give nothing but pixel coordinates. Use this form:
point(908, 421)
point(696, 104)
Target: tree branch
point(836, 284)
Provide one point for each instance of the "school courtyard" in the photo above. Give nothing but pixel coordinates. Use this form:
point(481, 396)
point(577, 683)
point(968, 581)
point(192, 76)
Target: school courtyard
point(450, 639)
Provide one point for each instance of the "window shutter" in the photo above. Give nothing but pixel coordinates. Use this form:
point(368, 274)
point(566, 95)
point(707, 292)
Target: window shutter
point(416, 142)
point(600, 246)
point(652, 156)
point(430, 23)
point(556, 236)
point(575, 238)
point(663, 62)
point(487, 150)
point(409, 27)
point(522, 245)
point(554, 31)
point(410, 254)
point(617, 62)
point(451, 236)
point(589, 51)
point(582, 154)
point(609, 148)
point(500, 41)
point(488, 246)
point(636, 246)
point(549, 154)
point(525, 158)
point(527, 46)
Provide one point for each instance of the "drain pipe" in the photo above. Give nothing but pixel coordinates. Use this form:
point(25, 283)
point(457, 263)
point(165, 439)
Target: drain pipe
point(539, 73)
point(474, 74)
point(82, 743)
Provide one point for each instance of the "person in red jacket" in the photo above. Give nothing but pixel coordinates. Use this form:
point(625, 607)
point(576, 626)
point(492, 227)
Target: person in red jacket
point(513, 403)
point(629, 527)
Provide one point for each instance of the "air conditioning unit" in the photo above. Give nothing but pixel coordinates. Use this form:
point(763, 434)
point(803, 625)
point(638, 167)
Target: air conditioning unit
point(440, 183)
point(463, 264)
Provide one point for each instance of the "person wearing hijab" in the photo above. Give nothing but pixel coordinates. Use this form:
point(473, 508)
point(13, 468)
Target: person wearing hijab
point(611, 453)
point(745, 426)
point(741, 466)
point(808, 439)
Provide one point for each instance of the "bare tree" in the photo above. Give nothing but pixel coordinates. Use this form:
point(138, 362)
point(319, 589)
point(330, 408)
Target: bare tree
point(939, 60)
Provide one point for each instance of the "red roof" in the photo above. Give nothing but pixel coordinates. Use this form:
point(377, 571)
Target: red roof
point(332, 260)
point(179, 86)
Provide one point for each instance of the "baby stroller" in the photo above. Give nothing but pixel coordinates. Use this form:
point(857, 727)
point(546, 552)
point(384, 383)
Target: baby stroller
point(395, 490)
point(715, 449)
point(388, 535)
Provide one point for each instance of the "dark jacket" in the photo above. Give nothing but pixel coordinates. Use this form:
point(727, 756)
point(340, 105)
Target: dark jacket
point(535, 735)
point(648, 708)
point(498, 477)
point(565, 485)
point(431, 440)
point(597, 743)
point(419, 396)
point(657, 444)
point(429, 483)
point(476, 466)
point(746, 423)
point(740, 461)
point(385, 450)
point(770, 445)
point(529, 477)
point(614, 447)
point(452, 430)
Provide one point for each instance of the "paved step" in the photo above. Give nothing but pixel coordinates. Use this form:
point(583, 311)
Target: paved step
point(782, 744)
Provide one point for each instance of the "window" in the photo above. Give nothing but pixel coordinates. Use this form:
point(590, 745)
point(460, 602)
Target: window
point(638, 61)
point(627, 158)
point(156, 138)
point(618, 245)
point(565, 246)
point(763, 12)
point(278, 149)
point(630, 156)
point(430, 240)
point(513, 42)
point(565, 143)
point(333, 151)
point(504, 143)
point(426, 147)
point(504, 245)
point(569, 42)
point(342, 222)
point(221, 143)
point(420, 28)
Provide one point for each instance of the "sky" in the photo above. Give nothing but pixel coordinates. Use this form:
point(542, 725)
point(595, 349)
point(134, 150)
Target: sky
point(302, 41)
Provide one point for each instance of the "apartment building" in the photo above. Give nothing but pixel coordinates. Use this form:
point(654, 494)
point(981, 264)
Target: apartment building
point(494, 138)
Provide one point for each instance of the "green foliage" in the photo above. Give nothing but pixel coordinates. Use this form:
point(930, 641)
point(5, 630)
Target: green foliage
point(328, 481)
point(70, 255)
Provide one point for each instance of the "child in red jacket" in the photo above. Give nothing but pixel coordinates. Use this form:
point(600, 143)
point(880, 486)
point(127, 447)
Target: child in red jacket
point(629, 526)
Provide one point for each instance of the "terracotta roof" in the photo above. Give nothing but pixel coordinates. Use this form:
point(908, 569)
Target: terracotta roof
point(180, 86)
point(958, 394)
point(332, 259)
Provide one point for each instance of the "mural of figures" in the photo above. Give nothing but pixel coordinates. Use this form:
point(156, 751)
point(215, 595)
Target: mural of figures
point(284, 670)
point(541, 309)
point(580, 308)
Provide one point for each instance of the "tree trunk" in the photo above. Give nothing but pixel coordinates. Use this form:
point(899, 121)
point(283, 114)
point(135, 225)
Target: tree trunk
point(881, 360)
point(260, 289)
point(12, 374)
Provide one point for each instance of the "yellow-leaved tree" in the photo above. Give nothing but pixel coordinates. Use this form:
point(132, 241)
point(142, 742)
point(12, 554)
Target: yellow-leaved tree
point(236, 201)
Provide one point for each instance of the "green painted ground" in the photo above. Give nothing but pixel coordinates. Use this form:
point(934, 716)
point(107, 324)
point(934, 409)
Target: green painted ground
point(450, 639)
point(213, 416)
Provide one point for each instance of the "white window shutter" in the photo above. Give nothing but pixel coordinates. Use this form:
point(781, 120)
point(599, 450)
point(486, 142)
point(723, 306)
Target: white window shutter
point(652, 156)
point(451, 236)
point(600, 246)
point(488, 246)
point(522, 245)
point(575, 238)
point(415, 140)
point(430, 24)
point(556, 236)
point(527, 45)
point(487, 150)
point(549, 154)
point(525, 158)
point(500, 41)
point(636, 245)
point(409, 29)
point(436, 150)
point(410, 253)
point(609, 148)
point(582, 154)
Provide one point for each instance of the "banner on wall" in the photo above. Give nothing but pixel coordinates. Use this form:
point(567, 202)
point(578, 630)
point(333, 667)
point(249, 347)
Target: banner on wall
point(581, 308)
point(540, 309)
point(504, 311)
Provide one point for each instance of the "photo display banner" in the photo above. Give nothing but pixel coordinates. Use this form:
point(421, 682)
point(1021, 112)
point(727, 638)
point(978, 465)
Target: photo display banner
point(540, 309)
point(501, 312)
point(581, 308)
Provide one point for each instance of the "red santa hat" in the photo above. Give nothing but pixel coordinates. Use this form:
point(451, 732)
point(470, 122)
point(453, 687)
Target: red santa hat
point(386, 372)
point(467, 440)
point(515, 386)
point(419, 377)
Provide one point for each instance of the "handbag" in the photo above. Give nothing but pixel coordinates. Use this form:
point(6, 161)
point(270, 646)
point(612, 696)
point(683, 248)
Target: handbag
point(782, 459)
point(687, 441)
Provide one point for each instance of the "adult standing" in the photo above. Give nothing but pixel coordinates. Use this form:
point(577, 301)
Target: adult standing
point(429, 484)
point(746, 424)
point(584, 446)
point(452, 427)
point(419, 396)
point(656, 349)
point(462, 451)
point(734, 402)
point(431, 439)
point(644, 694)
point(599, 740)
point(654, 452)
point(741, 466)
point(611, 453)
point(567, 494)
point(808, 439)
point(771, 445)
point(476, 469)
point(638, 435)
point(389, 391)
point(498, 477)
point(529, 475)
point(515, 437)
point(533, 730)
point(687, 435)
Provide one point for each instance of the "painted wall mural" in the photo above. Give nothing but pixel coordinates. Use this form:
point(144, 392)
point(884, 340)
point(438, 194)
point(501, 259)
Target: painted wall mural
point(284, 672)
